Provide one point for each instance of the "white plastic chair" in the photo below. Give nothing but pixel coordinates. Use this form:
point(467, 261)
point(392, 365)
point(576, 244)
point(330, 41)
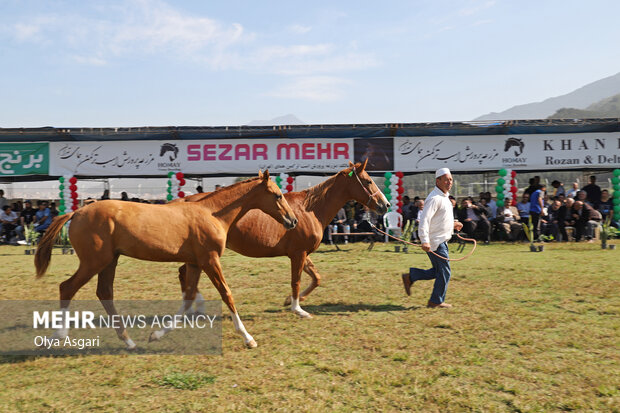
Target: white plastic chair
point(393, 222)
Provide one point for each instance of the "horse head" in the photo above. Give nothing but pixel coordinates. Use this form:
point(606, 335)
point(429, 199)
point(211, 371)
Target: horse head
point(269, 199)
point(363, 189)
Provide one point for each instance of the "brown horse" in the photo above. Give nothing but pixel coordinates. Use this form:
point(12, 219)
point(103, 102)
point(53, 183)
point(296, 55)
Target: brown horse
point(257, 235)
point(191, 232)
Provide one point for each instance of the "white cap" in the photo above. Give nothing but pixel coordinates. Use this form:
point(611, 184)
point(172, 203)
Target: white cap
point(441, 171)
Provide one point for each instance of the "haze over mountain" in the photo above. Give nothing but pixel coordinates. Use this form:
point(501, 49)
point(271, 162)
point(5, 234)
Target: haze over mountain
point(289, 119)
point(578, 99)
point(606, 108)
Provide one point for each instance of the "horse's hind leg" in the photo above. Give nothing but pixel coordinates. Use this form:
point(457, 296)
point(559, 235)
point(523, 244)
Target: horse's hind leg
point(199, 301)
point(68, 288)
point(105, 293)
point(214, 271)
point(189, 275)
point(309, 269)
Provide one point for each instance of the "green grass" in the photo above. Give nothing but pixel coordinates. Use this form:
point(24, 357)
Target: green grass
point(528, 332)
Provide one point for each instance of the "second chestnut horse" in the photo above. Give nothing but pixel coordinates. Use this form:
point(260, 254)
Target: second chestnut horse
point(258, 235)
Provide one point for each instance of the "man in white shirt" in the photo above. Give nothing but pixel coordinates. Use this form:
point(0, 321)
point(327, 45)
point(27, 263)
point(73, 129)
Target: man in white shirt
point(437, 225)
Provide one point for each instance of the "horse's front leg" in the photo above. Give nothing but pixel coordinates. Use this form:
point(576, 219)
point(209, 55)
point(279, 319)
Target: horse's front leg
point(213, 269)
point(297, 265)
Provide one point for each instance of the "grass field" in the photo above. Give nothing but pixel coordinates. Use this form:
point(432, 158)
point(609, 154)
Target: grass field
point(528, 332)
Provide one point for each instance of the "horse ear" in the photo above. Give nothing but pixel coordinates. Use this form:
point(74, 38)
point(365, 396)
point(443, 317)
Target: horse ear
point(260, 173)
point(351, 165)
point(266, 175)
point(364, 164)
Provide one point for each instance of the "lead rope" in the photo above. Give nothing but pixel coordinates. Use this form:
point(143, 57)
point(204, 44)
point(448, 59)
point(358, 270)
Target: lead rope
point(433, 252)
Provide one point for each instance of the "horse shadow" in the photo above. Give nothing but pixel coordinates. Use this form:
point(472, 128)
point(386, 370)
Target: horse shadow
point(339, 308)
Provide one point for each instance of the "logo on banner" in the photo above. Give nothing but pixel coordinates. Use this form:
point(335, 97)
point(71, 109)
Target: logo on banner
point(514, 146)
point(170, 152)
point(169, 147)
point(514, 143)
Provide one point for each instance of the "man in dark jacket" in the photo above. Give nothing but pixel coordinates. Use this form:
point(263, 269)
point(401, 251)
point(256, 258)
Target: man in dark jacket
point(586, 220)
point(475, 217)
point(556, 221)
point(593, 191)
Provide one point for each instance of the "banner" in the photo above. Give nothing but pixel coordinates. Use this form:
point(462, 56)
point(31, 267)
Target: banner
point(201, 157)
point(24, 159)
point(493, 152)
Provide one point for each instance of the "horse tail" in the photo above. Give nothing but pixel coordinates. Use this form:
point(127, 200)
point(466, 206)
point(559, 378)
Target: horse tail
point(43, 254)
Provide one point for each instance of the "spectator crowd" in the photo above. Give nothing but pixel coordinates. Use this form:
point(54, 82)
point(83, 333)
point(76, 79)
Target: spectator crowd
point(554, 214)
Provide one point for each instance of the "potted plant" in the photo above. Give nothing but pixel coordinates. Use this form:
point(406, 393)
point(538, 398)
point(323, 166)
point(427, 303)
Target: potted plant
point(64, 240)
point(407, 232)
point(607, 233)
point(31, 237)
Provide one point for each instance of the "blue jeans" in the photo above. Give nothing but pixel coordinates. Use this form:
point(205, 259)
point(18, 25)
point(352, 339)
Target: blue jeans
point(440, 273)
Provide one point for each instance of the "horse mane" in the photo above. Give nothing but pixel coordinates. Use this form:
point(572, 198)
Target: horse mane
point(317, 193)
point(208, 195)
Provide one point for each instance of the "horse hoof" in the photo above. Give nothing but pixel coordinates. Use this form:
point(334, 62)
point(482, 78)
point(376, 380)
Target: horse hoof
point(303, 314)
point(130, 344)
point(287, 302)
point(154, 336)
point(251, 344)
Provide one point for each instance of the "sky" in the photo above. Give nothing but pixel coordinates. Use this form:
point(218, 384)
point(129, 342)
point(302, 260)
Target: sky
point(213, 63)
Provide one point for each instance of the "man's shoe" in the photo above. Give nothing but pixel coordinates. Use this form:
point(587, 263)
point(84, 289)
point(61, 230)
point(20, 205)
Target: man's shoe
point(442, 305)
point(407, 283)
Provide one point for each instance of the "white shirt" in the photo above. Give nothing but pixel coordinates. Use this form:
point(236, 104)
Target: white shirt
point(437, 219)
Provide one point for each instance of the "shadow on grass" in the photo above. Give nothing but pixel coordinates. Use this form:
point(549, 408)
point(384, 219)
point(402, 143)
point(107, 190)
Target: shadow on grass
point(338, 308)
point(23, 358)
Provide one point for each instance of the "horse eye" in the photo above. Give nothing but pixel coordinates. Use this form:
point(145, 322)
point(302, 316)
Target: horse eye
point(278, 196)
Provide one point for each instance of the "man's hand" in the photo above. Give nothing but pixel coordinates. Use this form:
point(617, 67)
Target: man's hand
point(426, 246)
point(458, 226)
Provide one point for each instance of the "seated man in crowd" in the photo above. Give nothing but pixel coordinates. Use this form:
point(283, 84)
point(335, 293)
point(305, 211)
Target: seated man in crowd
point(420, 208)
point(583, 197)
point(8, 220)
point(508, 220)
point(555, 221)
point(606, 205)
point(43, 217)
point(558, 188)
point(524, 208)
point(586, 220)
point(491, 204)
point(25, 219)
point(474, 217)
point(572, 193)
point(337, 225)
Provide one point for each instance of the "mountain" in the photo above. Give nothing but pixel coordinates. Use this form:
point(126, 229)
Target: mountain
point(280, 120)
point(580, 99)
point(606, 108)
